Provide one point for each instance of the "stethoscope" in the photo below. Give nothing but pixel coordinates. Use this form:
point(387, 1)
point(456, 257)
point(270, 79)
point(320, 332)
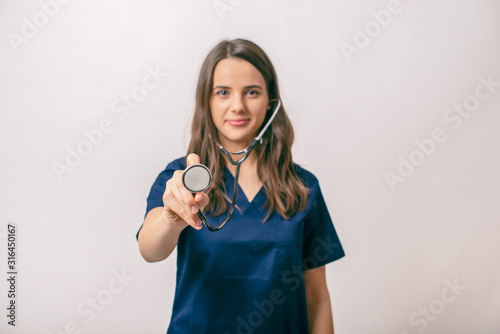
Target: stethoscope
point(197, 177)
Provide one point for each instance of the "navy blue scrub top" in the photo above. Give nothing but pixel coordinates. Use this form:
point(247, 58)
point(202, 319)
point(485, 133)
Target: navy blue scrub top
point(247, 277)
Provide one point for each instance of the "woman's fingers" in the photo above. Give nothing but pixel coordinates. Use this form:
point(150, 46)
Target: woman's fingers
point(187, 196)
point(179, 202)
point(179, 209)
point(201, 199)
point(189, 205)
point(192, 159)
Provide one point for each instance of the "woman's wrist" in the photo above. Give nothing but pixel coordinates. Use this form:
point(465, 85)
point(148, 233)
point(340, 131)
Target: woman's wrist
point(174, 227)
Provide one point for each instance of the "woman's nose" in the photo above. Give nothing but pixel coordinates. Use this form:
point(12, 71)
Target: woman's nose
point(237, 104)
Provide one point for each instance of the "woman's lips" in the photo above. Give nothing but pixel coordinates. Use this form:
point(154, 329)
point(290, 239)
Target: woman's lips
point(238, 122)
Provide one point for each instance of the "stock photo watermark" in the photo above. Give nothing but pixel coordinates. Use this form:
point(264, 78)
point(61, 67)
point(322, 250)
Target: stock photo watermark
point(94, 137)
point(380, 20)
point(225, 6)
point(88, 309)
point(425, 315)
point(30, 27)
point(292, 279)
point(452, 117)
point(12, 273)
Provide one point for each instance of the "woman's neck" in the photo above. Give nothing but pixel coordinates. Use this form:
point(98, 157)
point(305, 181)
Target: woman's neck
point(250, 161)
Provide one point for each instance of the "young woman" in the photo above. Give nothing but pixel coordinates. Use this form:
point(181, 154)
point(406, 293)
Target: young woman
point(264, 271)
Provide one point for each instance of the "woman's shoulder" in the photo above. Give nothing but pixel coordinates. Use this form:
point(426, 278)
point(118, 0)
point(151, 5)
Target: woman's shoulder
point(308, 178)
point(311, 182)
point(177, 164)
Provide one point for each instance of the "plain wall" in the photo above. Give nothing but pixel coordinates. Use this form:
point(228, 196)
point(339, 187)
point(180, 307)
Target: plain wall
point(365, 110)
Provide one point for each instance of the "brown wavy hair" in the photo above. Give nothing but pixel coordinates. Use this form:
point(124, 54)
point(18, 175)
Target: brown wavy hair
point(284, 190)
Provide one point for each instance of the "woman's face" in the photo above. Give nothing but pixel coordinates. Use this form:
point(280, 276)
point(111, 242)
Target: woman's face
point(238, 102)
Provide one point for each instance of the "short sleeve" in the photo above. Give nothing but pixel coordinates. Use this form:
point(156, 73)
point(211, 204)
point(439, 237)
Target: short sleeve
point(155, 198)
point(321, 244)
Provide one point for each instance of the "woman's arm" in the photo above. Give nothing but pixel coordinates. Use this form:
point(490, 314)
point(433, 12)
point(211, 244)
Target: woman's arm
point(319, 309)
point(157, 238)
point(163, 225)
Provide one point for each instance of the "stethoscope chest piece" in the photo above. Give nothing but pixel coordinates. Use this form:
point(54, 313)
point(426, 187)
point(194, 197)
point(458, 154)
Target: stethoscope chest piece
point(197, 178)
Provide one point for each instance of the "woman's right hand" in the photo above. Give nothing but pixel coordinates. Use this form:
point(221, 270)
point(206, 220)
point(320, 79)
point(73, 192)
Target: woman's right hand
point(180, 207)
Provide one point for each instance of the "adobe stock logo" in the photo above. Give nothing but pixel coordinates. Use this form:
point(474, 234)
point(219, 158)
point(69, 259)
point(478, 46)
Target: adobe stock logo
point(429, 313)
point(363, 37)
point(291, 280)
point(426, 147)
point(223, 6)
point(30, 27)
point(97, 303)
point(94, 137)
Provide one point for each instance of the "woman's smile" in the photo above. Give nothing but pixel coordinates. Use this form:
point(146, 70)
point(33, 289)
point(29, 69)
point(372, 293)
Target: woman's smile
point(238, 122)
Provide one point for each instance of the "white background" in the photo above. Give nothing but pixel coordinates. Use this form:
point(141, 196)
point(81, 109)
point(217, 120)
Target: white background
point(354, 119)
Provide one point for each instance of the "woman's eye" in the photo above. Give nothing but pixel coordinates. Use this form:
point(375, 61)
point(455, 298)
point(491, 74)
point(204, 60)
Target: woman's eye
point(222, 92)
point(253, 92)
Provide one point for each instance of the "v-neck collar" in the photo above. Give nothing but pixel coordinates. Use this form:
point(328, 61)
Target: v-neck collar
point(242, 201)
